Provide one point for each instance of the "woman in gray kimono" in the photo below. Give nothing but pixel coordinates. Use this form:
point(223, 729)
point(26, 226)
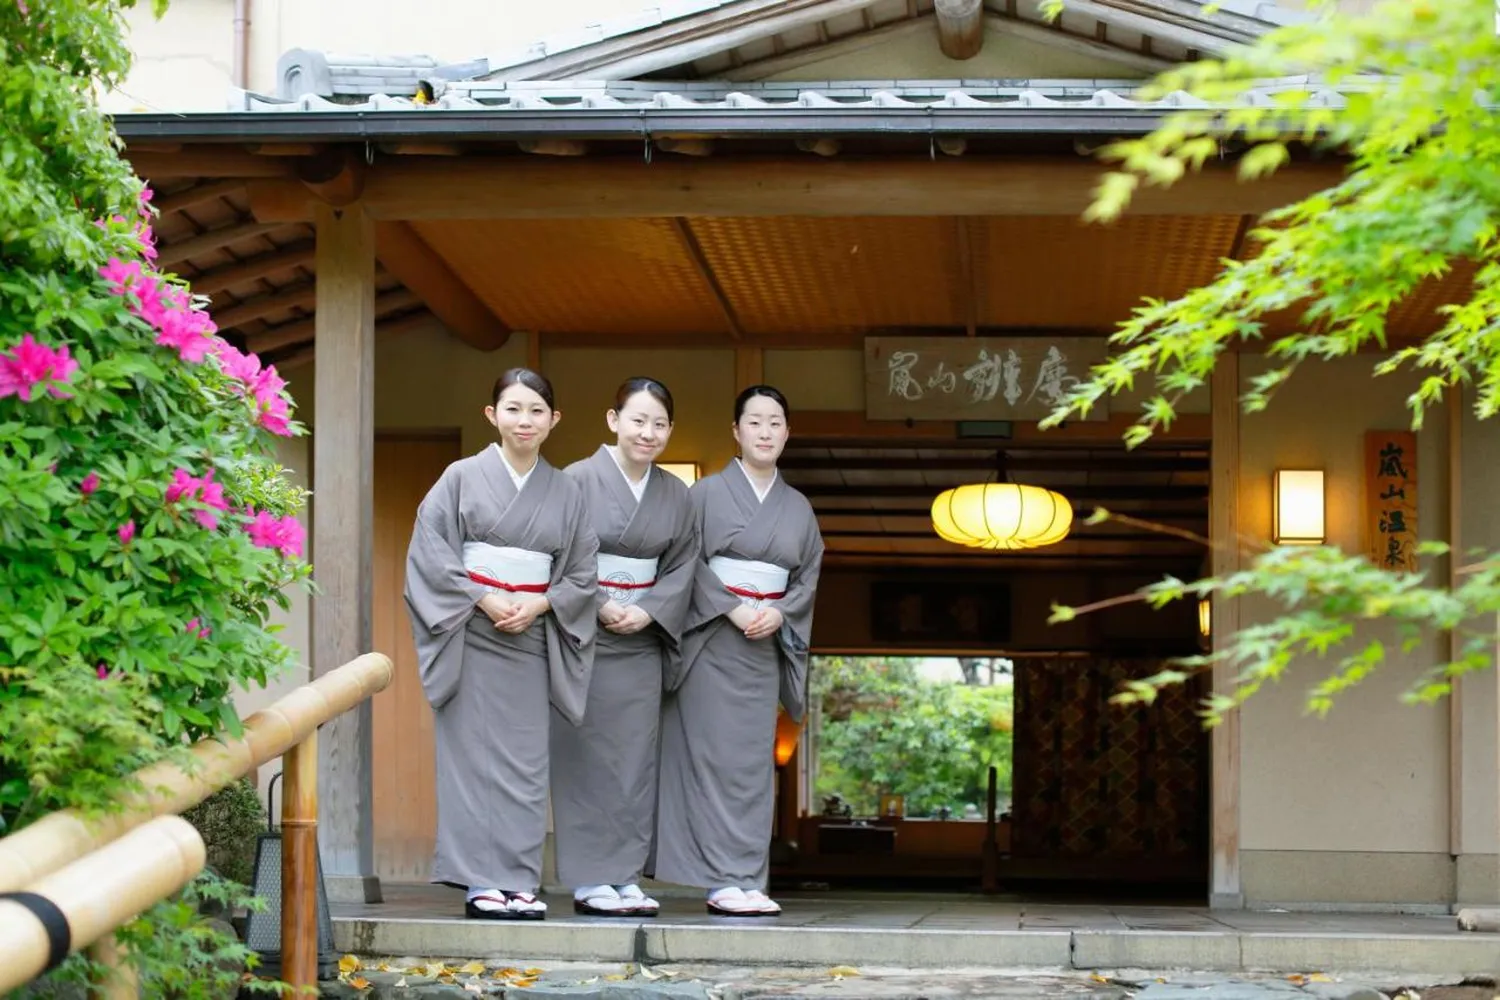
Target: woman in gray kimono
point(501, 585)
point(745, 648)
point(604, 771)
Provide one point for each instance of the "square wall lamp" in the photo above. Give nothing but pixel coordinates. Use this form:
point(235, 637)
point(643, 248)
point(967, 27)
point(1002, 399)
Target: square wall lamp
point(1297, 515)
point(686, 471)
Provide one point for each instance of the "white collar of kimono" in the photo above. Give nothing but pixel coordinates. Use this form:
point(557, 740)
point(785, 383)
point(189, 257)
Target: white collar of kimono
point(517, 479)
point(760, 494)
point(639, 489)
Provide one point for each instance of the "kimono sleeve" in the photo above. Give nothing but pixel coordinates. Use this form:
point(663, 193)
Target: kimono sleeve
point(440, 597)
point(668, 602)
point(795, 636)
point(710, 601)
point(573, 622)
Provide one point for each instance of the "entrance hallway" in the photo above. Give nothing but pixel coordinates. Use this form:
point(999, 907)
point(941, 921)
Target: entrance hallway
point(925, 931)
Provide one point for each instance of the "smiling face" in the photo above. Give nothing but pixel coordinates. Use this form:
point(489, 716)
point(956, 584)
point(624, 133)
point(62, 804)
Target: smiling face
point(523, 419)
point(642, 428)
point(761, 432)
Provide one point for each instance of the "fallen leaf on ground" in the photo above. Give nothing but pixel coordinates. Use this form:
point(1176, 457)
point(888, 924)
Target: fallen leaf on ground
point(473, 988)
point(649, 974)
point(524, 983)
point(473, 969)
point(840, 971)
point(383, 967)
point(348, 964)
point(615, 977)
point(532, 972)
point(1098, 978)
point(360, 983)
point(401, 983)
point(507, 973)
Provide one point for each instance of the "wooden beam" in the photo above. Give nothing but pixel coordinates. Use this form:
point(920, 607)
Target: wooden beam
point(705, 271)
point(749, 368)
point(334, 176)
point(497, 187)
point(819, 145)
point(960, 25)
point(303, 296)
point(232, 275)
point(1455, 639)
point(686, 147)
point(1102, 494)
point(1191, 38)
point(553, 147)
point(198, 194)
point(343, 537)
point(1076, 460)
point(214, 239)
point(1225, 889)
point(303, 331)
point(1058, 38)
point(204, 161)
point(409, 259)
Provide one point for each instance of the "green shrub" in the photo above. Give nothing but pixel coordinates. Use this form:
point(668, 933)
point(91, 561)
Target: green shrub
point(231, 821)
point(145, 531)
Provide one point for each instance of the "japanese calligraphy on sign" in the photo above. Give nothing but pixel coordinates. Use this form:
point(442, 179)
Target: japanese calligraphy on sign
point(975, 378)
point(1391, 499)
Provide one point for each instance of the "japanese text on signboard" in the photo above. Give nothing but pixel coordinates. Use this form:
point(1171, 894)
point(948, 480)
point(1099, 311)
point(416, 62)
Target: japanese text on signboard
point(1391, 499)
point(974, 378)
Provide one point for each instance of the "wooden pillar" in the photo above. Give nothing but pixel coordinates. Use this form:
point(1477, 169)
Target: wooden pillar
point(1225, 891)
point(343, 534)
point(299, 865)
point(749, 367)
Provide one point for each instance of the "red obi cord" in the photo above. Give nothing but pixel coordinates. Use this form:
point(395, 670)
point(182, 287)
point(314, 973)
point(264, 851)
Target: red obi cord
point(627, 586)
point(514, 588)
point(754, 595)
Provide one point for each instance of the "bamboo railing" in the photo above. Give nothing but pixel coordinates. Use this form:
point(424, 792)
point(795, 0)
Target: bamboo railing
point(66, 881)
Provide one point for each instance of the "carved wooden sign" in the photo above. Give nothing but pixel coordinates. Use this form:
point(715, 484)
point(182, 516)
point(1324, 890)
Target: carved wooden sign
point(976, 378)
point(1391, 499)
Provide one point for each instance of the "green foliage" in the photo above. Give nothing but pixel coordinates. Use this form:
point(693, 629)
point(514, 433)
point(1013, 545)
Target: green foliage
point(1421, 195)
point(888, 731)
point(145, 530)
point(231, 821)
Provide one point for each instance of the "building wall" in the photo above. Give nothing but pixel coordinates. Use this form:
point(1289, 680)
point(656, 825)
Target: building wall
point(1354, 807)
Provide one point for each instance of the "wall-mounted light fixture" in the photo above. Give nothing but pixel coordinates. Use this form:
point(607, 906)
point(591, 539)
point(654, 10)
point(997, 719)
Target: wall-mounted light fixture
point(1298, 507)
point(686, 471)
point(1205, 617)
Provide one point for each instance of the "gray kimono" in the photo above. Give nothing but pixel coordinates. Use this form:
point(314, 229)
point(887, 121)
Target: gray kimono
point(489, 689)
point(719, 724)
point(604, 771)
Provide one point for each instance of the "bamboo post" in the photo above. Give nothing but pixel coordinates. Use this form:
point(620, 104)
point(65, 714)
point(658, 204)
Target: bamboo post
point(299, 864)
point(118, 980)
point(98, 893)
point(166, 788)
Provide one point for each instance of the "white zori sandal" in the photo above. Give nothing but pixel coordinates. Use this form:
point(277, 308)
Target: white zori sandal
point(644, 905)
point(609, 901)
point(497, 904)
point(734, 902)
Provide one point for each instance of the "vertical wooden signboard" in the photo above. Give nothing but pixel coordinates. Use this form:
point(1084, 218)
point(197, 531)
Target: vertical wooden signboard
point(1391, 499)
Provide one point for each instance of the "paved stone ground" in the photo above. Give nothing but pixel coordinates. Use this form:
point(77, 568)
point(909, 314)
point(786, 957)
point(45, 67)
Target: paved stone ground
point(400, 978)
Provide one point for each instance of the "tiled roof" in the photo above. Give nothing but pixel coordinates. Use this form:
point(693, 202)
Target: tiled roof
point(645, 97)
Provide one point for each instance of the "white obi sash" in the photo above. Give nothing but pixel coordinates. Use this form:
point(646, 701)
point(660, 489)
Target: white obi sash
point(752, 582)
point(505, 569)
point(626, 579)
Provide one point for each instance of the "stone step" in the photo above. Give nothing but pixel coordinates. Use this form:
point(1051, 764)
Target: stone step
point(763, 943)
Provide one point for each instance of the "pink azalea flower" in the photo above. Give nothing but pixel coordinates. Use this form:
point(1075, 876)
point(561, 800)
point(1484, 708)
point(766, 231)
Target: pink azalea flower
point(292, 537)
point(277, 418)
point(30, 368)
point(147, 240)
point(284, 534)
point(102, 672)
point(184, 484)
point(211, 494)
point(90, 484)
point(127, 532)
point(242, 367)
point(197, 630)
point(144, 201)
point(120, 274)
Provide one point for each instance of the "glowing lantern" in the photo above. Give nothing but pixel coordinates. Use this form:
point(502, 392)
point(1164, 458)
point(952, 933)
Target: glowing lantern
point(787, 734)
point(1002, 516)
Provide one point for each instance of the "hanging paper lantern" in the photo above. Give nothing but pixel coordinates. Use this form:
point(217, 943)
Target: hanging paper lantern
point(1002, 516)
